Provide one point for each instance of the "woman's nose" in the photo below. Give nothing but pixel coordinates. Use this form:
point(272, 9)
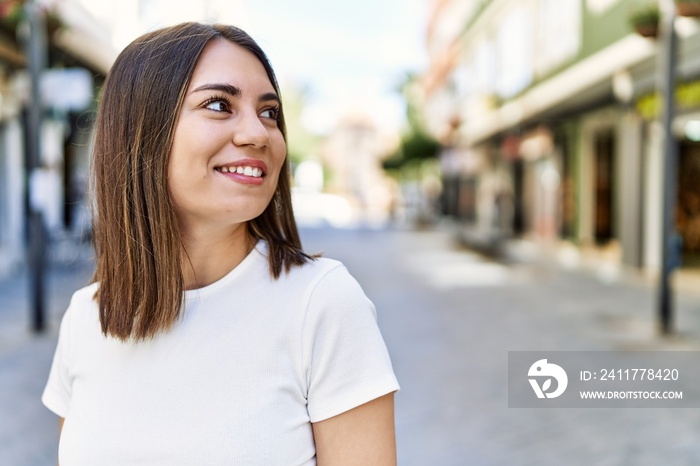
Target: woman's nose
point(250, 131)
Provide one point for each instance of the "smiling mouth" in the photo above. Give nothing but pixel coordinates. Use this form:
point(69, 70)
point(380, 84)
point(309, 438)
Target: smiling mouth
point(244, 170)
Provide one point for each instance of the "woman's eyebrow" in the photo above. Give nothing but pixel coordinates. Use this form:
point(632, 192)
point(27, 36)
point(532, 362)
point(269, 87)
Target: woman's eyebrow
point(227, 88)
point(234, 91)
point(266, 97)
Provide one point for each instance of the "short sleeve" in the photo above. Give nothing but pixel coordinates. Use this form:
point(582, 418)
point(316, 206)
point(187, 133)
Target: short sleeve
point(346, 360)
point(57, 393)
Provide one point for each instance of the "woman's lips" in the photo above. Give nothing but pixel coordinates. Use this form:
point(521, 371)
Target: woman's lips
point(248, 171)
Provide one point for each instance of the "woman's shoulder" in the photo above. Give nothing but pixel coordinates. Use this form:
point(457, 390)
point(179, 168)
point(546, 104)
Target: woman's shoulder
point(324, 277)
point(315, 269)
point(324, 264)
point(317, 273)
point(85, 295)
point(83, 303)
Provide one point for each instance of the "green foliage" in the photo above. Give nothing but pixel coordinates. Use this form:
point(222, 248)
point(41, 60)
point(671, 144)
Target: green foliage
point(301, 144)
point(687, 97)
point(415, 145)
point(644, 15)
point(12, 12)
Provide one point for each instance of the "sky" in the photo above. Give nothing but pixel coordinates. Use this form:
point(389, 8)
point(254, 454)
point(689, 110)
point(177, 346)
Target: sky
point(351, 55)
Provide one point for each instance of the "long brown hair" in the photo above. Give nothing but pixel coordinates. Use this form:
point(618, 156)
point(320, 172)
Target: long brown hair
point(136, 236)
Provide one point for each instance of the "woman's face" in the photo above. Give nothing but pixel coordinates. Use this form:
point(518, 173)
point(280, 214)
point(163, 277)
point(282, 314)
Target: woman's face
point(227, 150)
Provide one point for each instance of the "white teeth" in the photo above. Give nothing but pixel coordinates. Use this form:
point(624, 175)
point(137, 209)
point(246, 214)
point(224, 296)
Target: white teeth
point(247, 171)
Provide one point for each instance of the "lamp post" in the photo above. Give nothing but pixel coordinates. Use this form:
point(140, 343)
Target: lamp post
point(35, 51)
point(667, 78)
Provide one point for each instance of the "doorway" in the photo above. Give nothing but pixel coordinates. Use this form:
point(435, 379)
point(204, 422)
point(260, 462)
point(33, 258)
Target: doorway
point(604, 174)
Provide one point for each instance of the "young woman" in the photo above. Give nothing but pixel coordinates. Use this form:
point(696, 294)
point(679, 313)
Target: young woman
point(208, 336)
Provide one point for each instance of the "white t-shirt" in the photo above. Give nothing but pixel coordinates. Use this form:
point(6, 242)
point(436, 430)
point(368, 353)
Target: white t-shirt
point(238, 380)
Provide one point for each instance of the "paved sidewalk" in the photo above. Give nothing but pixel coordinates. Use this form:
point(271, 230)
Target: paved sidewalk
point(28, 431)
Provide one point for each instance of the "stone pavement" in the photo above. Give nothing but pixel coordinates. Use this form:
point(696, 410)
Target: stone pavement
point(449, 317)
point(28, 431)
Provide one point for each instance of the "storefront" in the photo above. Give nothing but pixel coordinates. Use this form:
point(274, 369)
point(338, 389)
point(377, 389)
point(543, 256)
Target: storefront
point(688, 207)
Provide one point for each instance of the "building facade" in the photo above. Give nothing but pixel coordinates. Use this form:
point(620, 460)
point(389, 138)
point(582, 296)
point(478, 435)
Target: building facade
point(78, 55)
point(548, 112)
point(84, 39)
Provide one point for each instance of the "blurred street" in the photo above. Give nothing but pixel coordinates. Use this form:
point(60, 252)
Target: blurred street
point(449, 317)
point(562, 137)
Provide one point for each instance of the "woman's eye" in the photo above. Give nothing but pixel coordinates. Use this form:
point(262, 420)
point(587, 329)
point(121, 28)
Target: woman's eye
point(271, 113)
point(217, 105)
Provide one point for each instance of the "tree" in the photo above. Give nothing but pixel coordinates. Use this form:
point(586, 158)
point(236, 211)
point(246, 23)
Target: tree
point(416, 144)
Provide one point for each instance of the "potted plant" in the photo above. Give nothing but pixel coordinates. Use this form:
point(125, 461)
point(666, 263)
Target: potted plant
point(12, 13)
point(688, 7)
point(645, 20)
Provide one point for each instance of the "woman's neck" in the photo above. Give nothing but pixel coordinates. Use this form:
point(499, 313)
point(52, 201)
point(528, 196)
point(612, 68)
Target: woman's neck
point(209, 255)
